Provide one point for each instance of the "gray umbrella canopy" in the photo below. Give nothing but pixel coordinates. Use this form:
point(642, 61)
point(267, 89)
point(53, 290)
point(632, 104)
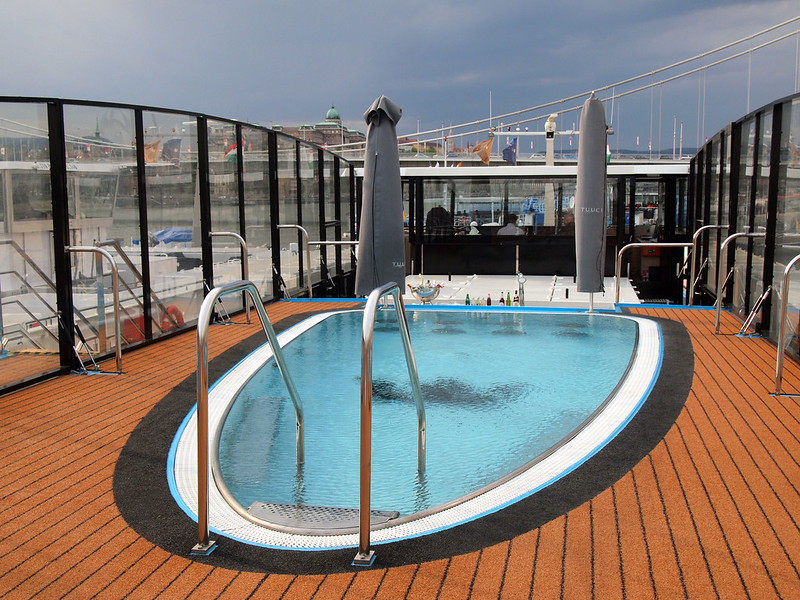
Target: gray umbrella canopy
point(590, 198)
point(381, 248)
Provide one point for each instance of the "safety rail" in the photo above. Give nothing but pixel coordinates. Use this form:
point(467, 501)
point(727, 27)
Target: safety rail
point(245, 261)
point(205, 545)
point(782, 329)
point(720, 271)
point(692, 279)
point(101, 309)
point(365, 556)
point(138, 276)
point(618, 270)
point(303, 231)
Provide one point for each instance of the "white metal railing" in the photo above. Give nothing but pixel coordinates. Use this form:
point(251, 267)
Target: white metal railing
point(302, 230)
point(245, 261)
point(618, 270)
point(365, 556)
point(692, 278)
point(101, 309)
point(205, 545)
point(720, 271)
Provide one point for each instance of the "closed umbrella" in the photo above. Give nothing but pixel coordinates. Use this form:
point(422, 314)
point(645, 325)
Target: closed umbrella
point(381, 246)
point(590, 198)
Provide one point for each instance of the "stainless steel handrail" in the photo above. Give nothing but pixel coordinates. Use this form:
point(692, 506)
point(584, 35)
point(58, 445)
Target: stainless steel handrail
point(138, 277)
point(720, 271)
point(308, 253)
point(115, 292)
point(618, 270)
point(782, 329)
point(205, 545)
point(245, 261)
point(365, 556)
point(695, 237)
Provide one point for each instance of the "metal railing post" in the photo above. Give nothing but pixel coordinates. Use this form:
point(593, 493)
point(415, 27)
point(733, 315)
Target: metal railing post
point(245, 262)
point(365, 556)
point(720, 271)
point(695, 237)
point(782, 329)
point(618, 268)
point(114, 291)
point(308, 253)
point(205, 545)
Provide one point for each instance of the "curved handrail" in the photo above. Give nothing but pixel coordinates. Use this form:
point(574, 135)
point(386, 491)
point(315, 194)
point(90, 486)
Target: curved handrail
point(618, 270)
point(302, 230)
point(782, 329)
point(245, 260)
point(720, 271)
point(114, 290)
point(205, 545)
point(365, 556)
point(695, 237)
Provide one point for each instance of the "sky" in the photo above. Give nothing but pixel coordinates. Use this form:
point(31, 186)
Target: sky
point(443, 61)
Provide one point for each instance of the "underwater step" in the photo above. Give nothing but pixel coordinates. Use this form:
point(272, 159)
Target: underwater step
point(315, 517)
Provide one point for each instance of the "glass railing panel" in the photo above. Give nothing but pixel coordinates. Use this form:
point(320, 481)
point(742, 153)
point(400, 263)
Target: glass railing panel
point(28, 323)
point(760, 209)
point(103, 207)
point(223, 179)
point(345, 183)
point(257, 208)
point(173, 213)
point(291, 243)
point(787, 225)
point(329, 202)
point(310, 204)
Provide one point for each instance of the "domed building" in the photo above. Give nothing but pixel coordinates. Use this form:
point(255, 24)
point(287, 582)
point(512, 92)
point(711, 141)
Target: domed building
point(330, 132)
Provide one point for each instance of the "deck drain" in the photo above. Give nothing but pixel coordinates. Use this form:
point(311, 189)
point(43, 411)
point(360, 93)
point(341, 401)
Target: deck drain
point(315, 517)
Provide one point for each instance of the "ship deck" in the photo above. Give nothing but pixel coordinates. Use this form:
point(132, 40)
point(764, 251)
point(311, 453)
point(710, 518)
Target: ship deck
point(712, 511)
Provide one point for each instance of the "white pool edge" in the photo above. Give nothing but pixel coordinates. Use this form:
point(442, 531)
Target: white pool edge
point(182, 460)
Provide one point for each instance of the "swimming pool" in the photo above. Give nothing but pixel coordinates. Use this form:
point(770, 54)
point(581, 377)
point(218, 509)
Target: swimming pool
point(458, 406)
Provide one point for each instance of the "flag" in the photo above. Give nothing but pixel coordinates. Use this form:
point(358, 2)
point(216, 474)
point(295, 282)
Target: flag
point(151, 151)
point(230, 152)
point(510, 151)
point(484, 150)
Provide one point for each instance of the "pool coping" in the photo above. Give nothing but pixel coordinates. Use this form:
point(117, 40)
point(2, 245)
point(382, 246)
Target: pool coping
point(618, 412)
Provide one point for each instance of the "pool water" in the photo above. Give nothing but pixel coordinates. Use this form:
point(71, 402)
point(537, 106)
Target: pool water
point(500, 389)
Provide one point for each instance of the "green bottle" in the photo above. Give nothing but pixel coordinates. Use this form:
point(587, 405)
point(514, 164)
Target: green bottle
point(508, 298)
point(466, 301)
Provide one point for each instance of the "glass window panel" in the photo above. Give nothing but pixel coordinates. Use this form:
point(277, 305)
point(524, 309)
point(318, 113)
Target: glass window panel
point(760, 211)
point(28, 303)
point(104, 209)
point(173, 214)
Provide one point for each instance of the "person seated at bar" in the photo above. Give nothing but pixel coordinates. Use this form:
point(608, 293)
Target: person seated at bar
point(511, 228)
point(439, 223)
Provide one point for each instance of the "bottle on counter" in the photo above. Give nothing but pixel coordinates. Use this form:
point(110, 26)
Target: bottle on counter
point(516, 299)
point(502, 299)
point(466, 300)
point(488, 299)
point(508, 298)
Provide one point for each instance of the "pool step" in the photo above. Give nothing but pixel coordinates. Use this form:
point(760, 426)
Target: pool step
point(315, 517)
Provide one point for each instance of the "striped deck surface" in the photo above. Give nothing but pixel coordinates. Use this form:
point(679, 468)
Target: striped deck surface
point(712, 512)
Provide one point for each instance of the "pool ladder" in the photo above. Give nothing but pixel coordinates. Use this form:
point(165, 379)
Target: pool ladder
point(205, 545)
point(365, 556)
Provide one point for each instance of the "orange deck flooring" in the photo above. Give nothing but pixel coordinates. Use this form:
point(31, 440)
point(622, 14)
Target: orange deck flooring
point(713, 511)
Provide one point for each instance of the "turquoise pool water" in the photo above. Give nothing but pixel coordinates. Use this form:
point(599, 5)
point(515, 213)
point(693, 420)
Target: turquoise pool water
point(500, 389)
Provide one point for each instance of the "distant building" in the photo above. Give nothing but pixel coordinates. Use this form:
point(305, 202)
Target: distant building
point(330, 132)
